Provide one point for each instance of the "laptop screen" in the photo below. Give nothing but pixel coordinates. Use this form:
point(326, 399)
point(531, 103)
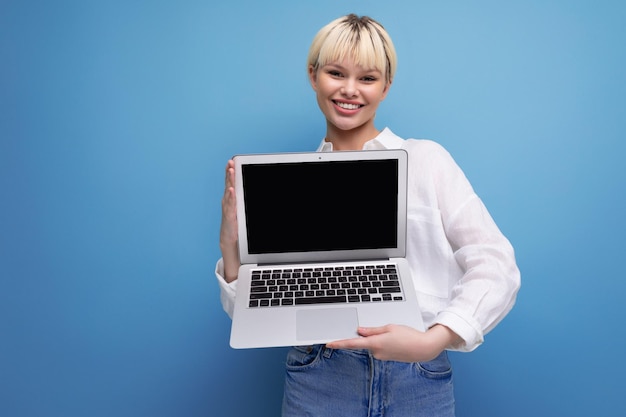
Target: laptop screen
point(321, 206)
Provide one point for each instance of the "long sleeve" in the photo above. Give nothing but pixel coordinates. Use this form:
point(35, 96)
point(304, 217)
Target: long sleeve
point(466, 269)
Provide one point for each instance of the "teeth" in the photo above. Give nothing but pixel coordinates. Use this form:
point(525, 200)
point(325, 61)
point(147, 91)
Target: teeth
point(348, 106)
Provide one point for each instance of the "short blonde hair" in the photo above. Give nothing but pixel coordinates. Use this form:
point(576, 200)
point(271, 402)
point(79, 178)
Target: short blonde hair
point(360, 38)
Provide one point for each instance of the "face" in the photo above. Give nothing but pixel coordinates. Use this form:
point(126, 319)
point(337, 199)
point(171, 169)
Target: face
point(348, 94)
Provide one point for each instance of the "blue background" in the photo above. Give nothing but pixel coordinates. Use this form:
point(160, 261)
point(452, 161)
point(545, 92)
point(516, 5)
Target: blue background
point(116, 121)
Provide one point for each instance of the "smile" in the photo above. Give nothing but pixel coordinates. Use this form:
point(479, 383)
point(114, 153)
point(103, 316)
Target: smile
point(348, 106)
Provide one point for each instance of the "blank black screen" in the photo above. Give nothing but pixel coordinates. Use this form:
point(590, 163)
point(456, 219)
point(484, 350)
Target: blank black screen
point(321, 206)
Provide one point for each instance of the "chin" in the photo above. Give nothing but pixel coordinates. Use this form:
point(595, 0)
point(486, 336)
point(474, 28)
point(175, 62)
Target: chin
point(347, 125)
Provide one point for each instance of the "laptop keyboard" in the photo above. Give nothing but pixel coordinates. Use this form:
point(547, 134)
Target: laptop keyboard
point(324, 285)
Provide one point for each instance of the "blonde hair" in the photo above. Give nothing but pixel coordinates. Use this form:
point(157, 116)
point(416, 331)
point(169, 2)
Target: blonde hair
point(360, 38)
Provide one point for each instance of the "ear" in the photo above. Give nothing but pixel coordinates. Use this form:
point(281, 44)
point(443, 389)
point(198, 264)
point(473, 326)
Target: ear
point(313, 77)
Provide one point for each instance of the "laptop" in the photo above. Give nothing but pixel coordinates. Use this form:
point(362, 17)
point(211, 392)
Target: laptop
point(322, 244)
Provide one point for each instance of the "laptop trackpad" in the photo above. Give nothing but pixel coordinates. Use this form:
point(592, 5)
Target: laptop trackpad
point(326, 324)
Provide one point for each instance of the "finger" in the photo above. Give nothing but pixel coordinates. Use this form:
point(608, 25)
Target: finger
point(230, 177)
point(356, 343)
point(372, 331)
point(230, 174)
point(228, 202)
point(229, 191)
point(229, 212)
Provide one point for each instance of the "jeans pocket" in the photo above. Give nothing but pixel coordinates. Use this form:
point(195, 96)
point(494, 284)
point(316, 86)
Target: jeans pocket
point(438, 368)
point(302, 357)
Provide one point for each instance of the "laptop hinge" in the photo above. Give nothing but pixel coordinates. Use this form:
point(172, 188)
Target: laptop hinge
point(343, 261)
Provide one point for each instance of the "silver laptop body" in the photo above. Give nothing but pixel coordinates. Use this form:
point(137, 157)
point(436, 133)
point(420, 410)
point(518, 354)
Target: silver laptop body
point(322, 245)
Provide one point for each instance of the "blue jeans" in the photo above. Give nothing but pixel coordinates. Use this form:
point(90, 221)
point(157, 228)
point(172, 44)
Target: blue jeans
point(323, 382)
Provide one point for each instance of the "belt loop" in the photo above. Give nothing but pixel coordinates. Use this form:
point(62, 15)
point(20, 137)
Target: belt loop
point(328, 352)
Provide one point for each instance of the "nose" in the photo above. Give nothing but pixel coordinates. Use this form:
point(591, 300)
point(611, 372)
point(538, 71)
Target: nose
point(350, 88)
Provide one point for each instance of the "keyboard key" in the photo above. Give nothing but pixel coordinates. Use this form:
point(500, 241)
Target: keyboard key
point(387, 290)
point(320, 300)
point(260, 296)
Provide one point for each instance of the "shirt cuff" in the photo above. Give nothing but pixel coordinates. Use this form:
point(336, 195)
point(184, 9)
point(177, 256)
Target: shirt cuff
point(472, 338)
point(228, 290)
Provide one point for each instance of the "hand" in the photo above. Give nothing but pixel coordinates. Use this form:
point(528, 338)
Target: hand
point(228, 228)
point(401, 343)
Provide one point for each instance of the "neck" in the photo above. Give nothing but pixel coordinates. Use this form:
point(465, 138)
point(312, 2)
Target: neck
point(350, 140)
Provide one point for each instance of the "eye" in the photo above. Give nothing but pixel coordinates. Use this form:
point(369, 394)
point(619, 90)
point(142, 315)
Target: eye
point(369, 79)
point(335, 73)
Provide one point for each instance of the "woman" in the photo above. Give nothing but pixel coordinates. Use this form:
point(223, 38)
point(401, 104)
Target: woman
point(463, 268)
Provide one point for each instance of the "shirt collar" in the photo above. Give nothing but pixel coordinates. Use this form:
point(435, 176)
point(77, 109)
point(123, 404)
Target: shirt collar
point(386, 139)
